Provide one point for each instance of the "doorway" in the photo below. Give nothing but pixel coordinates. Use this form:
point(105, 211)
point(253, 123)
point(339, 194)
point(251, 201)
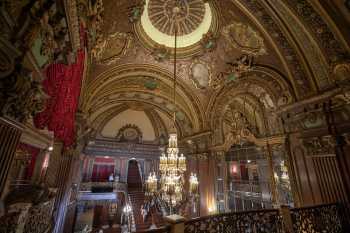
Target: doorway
point(134, 177)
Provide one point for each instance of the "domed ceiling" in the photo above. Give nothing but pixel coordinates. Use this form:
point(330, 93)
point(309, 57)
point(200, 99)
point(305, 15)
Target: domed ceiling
point(192, 21)
point(270, 53)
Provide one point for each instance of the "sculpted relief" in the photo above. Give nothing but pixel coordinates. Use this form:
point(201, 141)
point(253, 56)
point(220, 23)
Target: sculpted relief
point(113, 48)
point(244, 38)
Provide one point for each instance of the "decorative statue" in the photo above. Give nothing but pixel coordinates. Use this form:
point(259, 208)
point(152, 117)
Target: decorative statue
point(161, 53)
point(23, 97)
point(209, 42)
point(136, 12)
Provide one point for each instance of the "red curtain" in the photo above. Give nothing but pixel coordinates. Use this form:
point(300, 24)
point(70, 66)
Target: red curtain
point(101, 172)
point(62, 84)
point(34, 152)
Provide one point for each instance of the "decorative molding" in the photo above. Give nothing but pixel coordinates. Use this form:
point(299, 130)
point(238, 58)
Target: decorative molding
point(322, 145)
point(73, 23)
point(302, 84)
point(38, 138)
point(129, 133)
point(113, 148)
point(244, 38)
point(200, 73)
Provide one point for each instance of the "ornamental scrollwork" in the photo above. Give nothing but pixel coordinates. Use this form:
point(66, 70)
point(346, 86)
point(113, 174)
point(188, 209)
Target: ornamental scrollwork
point(200, 73)
point(264, 221)
point(21, 97)
point(320, 145)
point(129, 133)
point(91, 14)
point(317, 219)
point(39, 218)
point(209, 42)
point(244, 38)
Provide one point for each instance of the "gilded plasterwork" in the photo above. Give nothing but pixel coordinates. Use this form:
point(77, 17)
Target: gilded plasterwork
point(241, 36)
point(200, 74)
point(189, 17)
point(309, 47)
point(113, 48)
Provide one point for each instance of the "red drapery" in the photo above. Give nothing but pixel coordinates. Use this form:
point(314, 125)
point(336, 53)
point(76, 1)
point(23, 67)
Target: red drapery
point(62, 84)
point(101, 172)
point(33, 151)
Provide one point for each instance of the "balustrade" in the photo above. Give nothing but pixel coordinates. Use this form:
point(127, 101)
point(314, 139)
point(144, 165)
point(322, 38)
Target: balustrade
point(316, 219)
point(28, 218)
point(116, 186)
point(268, 221)
point(322, 218)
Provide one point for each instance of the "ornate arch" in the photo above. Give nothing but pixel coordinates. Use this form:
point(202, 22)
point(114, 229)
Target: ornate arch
point(256, 96)
point(130, 84)
point(305, 44)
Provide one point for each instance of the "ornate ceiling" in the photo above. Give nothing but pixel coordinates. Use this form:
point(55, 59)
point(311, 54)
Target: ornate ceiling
point(241, 57)
point(188, 19)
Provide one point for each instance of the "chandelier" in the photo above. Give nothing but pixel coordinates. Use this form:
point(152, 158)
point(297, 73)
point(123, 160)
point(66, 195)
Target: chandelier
point(172, 167)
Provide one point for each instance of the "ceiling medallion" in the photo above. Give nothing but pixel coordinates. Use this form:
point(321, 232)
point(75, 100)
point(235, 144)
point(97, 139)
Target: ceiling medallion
point(197, 25)
point(188, 19)
point(200, 74)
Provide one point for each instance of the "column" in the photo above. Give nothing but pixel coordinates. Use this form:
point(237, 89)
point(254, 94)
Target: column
point(10, 133)
point(64, 173)
point(273, 187)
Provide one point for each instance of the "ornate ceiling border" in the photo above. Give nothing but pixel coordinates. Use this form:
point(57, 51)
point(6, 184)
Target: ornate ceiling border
point(320, 30)
point(297, 74)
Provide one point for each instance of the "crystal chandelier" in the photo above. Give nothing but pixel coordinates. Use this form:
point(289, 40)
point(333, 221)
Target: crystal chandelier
point(172, 167)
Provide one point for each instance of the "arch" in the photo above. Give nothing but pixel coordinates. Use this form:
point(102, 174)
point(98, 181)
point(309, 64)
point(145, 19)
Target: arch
point(126, 84)
point(255, 96)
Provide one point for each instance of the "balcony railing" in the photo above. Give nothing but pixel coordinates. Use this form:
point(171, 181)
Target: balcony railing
point(28, 218)
point(112, 186)
point(262, 221)
point(323, 218)
point(315, 219)
point(164, 229)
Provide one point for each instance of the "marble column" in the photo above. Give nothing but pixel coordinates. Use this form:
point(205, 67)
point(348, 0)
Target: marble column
point(10, 133)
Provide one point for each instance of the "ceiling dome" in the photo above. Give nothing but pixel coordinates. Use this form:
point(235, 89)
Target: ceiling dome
point(195, 18)
point(189, 17)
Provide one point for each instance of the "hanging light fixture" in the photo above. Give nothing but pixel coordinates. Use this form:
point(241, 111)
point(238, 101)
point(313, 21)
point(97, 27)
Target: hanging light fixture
point(172, 167)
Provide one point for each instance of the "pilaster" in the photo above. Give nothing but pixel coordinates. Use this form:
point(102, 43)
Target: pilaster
point(10, 133)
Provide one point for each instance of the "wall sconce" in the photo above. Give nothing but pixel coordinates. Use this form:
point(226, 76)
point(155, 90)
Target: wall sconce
point(211, 210)
point(234, 169)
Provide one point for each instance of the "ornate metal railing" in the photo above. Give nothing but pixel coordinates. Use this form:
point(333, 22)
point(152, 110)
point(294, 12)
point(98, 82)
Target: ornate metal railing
point(318, 219)
point(260, 221)
point(164, 229)
point(39, 218)
point(8, 223)
point(28, 218)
